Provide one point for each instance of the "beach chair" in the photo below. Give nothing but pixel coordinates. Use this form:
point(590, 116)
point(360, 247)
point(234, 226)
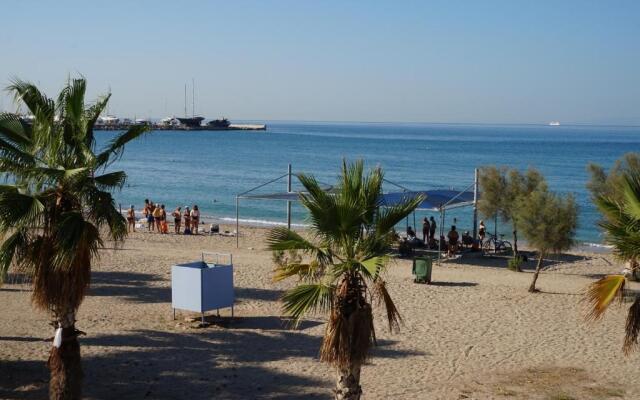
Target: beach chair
point(422, 267)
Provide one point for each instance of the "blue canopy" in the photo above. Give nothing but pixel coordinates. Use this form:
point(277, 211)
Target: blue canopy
point(434, 199)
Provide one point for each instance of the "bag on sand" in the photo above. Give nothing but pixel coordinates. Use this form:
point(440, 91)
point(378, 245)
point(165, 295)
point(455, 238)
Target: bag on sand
point(165, 227)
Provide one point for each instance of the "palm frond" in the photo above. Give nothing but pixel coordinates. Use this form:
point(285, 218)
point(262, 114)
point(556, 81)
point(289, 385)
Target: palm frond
point(600, 294)
point(393, 315)
point(115, 149)
point(281, 238)
point(76, 239)
point(13, 130)
point(631, 192)
point(11, 249)
point(372, 266)
point(292, 269)
point(92, 114)
point(305, 298)
point(391, 216)
point(18, 210)
point(101, 209)
point(31, 96)
point(111, 180)
point(632, 327)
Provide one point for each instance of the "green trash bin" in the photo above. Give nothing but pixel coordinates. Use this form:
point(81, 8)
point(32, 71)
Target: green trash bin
point(422, 267)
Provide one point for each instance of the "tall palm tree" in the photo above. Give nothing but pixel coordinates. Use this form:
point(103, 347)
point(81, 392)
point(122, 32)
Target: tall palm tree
point(621, 224)
point(341, 272)
point(55, 208)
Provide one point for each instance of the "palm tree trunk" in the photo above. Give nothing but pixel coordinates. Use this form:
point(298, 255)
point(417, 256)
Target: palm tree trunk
point(635, 270)
point(515, 243)
point(348, 383)
point(532, 288)
point(64, 361)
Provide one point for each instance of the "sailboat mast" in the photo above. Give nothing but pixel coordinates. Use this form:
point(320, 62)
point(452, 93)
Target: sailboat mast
point(185, 100)
point(193, 97)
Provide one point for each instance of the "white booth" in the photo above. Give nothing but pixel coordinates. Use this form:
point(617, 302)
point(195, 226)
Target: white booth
point(202, 286)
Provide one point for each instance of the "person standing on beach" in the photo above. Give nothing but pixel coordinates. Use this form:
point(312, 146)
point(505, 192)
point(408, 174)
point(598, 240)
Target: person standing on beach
point(453, 241)
point(432, 228)
point(131, 219)
point(157, 217)
point(187, 220)
point(149, 214)
point(425, 230)
point(177, 219)
point(163, 220)
point(195, 219)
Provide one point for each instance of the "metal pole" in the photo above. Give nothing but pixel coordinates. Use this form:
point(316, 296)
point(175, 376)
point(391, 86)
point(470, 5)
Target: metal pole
point(237, 222)
point(495, 233)
point(475, 205)
point(440, 238)
point(289, 202)
point(415, 227)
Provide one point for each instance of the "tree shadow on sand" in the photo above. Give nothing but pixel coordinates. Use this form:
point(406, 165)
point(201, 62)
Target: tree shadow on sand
point(219, 363)
point(551, 262)
point(453, 284)
point(246, 293)
point(131, 286)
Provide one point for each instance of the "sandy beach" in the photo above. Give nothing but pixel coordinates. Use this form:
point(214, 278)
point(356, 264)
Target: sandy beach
point(475, 333)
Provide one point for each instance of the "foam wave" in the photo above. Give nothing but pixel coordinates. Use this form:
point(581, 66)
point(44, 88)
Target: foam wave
point(206, 218)
point(260, 222)
point(598, 245)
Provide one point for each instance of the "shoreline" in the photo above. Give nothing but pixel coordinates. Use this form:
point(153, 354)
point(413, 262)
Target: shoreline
point(229, 223)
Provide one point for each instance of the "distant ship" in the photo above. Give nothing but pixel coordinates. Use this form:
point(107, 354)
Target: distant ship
point(193, 122)
point(554, 123)
point(219, 123)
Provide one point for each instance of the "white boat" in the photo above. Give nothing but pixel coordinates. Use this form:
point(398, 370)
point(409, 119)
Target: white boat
point(169, 121)
point(554, 123)
point(108, 120)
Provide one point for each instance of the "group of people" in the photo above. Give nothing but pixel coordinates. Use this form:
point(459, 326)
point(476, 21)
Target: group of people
point(451, 243)
point(155, 214)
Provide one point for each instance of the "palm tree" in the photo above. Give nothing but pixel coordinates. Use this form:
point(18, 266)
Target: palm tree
point(55, 208)
point(341, 272)
point(621, 224)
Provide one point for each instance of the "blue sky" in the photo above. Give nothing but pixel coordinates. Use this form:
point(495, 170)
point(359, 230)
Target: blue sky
point(423, 61)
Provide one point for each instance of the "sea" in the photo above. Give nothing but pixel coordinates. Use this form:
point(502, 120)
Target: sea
point(210, 168)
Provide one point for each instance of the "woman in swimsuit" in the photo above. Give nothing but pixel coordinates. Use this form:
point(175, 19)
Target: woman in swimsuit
point(157, 217)
point(195, 219)
point(177, 219)
point(187, 219)
point(131, 219)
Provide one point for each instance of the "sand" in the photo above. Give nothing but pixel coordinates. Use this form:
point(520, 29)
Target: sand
point(475, 333)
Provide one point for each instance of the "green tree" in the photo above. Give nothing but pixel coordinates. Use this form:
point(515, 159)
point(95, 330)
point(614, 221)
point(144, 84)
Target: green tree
point(501, 188)
point(55, 208)
point(548, 222)
point(620, 208)
point(343, 266)
point(611, 185)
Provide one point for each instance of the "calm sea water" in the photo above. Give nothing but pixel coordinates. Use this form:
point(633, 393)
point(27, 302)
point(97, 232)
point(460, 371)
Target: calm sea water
point(210, 168)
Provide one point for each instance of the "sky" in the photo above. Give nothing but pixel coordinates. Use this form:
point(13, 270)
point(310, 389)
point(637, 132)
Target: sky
point(376, 61)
